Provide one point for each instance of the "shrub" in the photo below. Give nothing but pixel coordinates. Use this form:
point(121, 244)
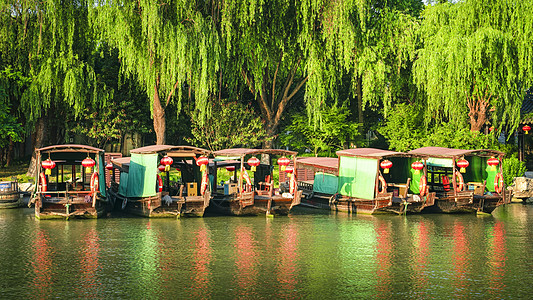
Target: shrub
point(512, 167)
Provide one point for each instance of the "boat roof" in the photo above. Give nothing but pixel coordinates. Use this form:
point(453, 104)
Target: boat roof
point(451, 153)
point(324, 164)
point(369, 153)
point(247, 151)
point(70, 148)
point(176, 151)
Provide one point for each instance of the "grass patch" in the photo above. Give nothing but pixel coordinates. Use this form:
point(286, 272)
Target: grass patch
point(16, 171)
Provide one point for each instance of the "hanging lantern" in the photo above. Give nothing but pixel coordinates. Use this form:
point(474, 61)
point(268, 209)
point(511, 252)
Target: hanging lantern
point(48, 165)
point(161, 168)
point(386, 165)
point(493, 162)
point(230, 168)
point(462, 164)
point(167, 161)
point(417, 166)
point(289, 170)
point(526, 128)
point(109, 167)
point(88, 163)
point(202, 162)
point(253, 162)
point(283, 162)
point(491, 128)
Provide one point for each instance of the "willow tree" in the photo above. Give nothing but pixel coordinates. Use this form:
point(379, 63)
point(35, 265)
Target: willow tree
point(49, 44)
point(476, 61)
point(370, 42)
point(166, 46)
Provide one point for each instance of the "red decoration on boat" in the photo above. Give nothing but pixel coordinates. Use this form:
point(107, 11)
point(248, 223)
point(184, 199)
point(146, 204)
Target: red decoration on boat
point(463, 164)
point(109, 167)
point(167, 161)
point(283, 162)
point(289, 170)
point(493, 162)
point(48, 165)
point(230, 168)
point(253, 162)
point(386, 165)
point(526, 128)
point(417, 166)
point(202, 162)
point(161, 168)
point(88, 163)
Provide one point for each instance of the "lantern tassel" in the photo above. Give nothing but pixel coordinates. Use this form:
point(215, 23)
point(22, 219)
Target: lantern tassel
point(88, 170)
point(527, 131)
point(493, 168)
point(462, 170)
point(48, 172)
point(417, 172)
point(167, 168)
point(283, 168)
point(202, 168)
point(386, 171)
point(253, 169)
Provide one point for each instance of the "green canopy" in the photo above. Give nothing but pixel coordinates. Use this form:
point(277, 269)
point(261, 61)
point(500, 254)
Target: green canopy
point(325, 183)
point(142, 175)
point(357, 177)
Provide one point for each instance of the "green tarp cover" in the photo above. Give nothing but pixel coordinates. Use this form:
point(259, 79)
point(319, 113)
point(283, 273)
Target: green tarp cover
point(101, 176)
point(357, 177)
point(142, 175)
point(123, 187)
point(325, 183)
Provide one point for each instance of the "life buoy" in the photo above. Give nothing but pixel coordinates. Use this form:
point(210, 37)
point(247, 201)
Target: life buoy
point(292, 184)
point(94, 182)
point(423, 186)
point(460, 183)
point(203, 186)
point(498, 183)
point(383, 188)
point(42, 182)
point(159, 184)
point(446, 183)
point(246, 177)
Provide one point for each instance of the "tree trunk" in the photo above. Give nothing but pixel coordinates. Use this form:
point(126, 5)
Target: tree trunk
point(38, 141)
point(360, 100)
point(159, 119)
point(9, 156)
point(478, 106)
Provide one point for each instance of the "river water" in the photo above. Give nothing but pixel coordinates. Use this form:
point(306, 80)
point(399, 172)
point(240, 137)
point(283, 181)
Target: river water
point(299, 256)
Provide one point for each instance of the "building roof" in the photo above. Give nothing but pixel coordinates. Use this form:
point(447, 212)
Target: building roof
point(324, 164)
point(171, 150)
point(246, 151)
point(453, 153)
point(70, 148)
point(370, 153)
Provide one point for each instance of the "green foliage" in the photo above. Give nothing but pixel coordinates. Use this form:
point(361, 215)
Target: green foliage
point(10, 129)
point(230, 124)
point(336, 132)
point(473, 46)
point(405, 130)
point(512, 167)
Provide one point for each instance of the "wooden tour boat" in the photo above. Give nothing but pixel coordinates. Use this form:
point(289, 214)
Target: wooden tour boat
point(9, 194)
point(465, 181)
point(244, 197)
point(146, 190)
point(368, 181)
point(71, 182)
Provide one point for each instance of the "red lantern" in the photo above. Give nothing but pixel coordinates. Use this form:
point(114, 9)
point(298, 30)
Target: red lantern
point(289, 170)
point(283, 162)
point(526, 128)
point(417, 166)
point(167, 161)
point(161, 168)
point(493, 162)
point(386, 165)
point(463, 164)
point(253, 162)
point(230, 168)
point(48, 165)
point(88, 163)
point(202, 162)
point(109, 167)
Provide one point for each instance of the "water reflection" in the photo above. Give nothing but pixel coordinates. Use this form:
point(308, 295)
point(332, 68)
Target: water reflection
point(498, 258)
point(383, 259)
point(289, 256)
point(201, 261)
point(460, 260)
point(90, 248)
point(422, 256)
point(245, 260)
point(41, 262)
